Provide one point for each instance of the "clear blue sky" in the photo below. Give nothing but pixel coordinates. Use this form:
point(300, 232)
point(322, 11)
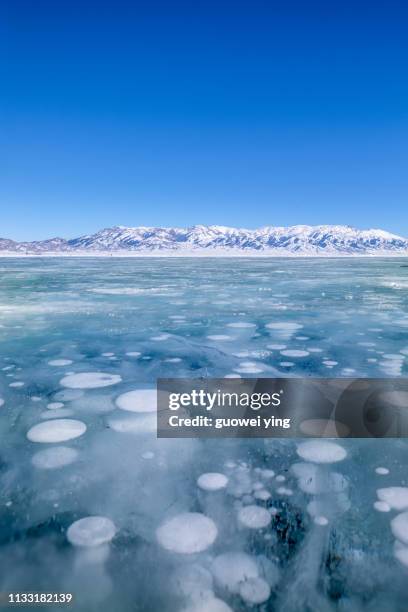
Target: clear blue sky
point(176, 113)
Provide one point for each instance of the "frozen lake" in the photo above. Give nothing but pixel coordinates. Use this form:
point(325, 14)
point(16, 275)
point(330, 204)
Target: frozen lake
point(92, 503)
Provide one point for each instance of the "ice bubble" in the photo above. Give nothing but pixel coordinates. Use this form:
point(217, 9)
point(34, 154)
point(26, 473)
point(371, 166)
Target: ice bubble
point(211, 604)
point(133, 354)
point(60, 362)
point(108, 354)
point(220, 337)
point(284, 326)
point(287, 364)
point(57, 414)
point(139, 425)
point(212, 481)
point(395, 497)
point(321, 520)
point(267, 474)
point(139, 400)
point(231, 569)
point(280, 478)
point(241, 324)
point(255, 590)
point(55, 405)
point(262, 494)
point(321, 451)
point(90, 380)
point(187, 533)
point(16, 384)
point(315, 350)
point(91, 531)
point(147, 455)
point(382, 471)
point(254, 517)
point(193, 582)
point(54, 457)
point(173, 360)
point(399, 527)
point(330, 363)
point(382, 506)
point(67, 395)
point(59, 430)
point(160, 337)
point(401, 553)
point(1, 401)
point(276, 347)
point(284, 491)
point(294, 353)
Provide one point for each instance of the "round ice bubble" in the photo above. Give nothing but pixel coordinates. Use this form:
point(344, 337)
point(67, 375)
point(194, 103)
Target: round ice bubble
point(212, 481)
point(211, 604)
point(60, 362)
point(55, 457)
point(91, 531)
point(399, 527)
point(139, 400)
point(231, 569)
point(321, 451)
point(255, 591)
point(90, 380)
point(254, 517)
point(294, 353)
point(59, 430)
point(187, 533)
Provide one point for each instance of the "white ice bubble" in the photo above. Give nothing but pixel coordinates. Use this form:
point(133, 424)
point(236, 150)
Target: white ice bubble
point(321, 520)
point(140, 425)
point(133, 354)
point(399, 527)
point(210, 604)
point(287, 364)
point(222, 337)
point(276, 347)
point(321, 451)
point(212, 481)
point(395, 497)
point(91, 531)
point(284, 325)
point(59, 430)
point(55, 405)
point(108, 354)
point(193, 582)
point(90, 380)
point(187, 533)
point(382, 471)
point(255, 591)
point(254, 517)
point(1, 401)
point(262, 495)
point(241, 325)
point(381, 506)
point(294, 353)
point(17, 384)
point(139, 400)
point(54, 457)
point(284, 491)
point(231, 569)
point(60, 362)
point(57, 414)
point(401, 553)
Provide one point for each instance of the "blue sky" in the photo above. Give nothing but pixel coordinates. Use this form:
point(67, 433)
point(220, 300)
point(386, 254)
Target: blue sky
point(177, 113)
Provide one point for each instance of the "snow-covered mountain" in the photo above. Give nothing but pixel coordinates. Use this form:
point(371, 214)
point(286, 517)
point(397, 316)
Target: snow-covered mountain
point(217, 240)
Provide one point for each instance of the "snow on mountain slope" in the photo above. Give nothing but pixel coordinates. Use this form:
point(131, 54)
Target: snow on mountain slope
point(216, 239)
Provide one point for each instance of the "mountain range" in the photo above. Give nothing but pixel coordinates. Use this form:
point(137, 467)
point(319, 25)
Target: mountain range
point(306, 240)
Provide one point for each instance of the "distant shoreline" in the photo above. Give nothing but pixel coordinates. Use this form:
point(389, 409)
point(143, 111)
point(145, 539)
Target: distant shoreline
point(230, 254)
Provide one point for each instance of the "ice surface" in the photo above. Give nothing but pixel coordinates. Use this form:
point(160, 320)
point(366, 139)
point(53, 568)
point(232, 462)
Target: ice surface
point(343, 313)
